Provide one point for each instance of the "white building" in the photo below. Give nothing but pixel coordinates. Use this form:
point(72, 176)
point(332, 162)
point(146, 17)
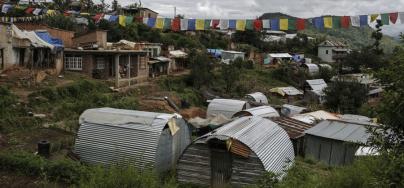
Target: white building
point(332, 51)
point(228, 56)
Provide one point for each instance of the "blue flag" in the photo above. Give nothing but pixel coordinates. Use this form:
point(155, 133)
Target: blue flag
point(151, 22)
point(232, 24)
point(191, 24)
point(363, 20)
point(318, 22)
point(113, 18)
point(275, 24)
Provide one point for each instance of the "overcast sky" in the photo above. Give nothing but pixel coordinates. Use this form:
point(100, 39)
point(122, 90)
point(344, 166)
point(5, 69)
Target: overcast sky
point(254, 8)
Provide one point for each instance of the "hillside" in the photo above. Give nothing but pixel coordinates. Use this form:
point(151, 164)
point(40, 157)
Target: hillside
point(356, 38)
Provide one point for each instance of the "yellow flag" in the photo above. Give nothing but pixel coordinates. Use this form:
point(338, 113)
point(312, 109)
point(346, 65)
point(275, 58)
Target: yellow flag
point(328, 22)
point(240, 25)
point(200, 24)
point(373, 17)
point(122, 20)
point(159, 23)
point(284, 24)
point(50, 12)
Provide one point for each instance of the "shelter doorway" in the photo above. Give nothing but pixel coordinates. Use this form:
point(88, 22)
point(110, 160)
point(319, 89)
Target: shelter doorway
point(221, 164)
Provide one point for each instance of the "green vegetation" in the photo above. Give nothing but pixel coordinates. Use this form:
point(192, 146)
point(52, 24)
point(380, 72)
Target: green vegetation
point(345, 97)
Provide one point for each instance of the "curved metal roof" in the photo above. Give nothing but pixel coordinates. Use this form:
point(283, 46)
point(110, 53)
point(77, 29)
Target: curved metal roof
point(258, 97)
point(261, 111)
point(226, 107)
point(264, 137)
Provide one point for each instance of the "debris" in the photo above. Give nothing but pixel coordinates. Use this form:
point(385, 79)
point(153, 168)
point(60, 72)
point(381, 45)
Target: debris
point(40, 116)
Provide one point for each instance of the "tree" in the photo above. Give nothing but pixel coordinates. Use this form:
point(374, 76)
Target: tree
point(345, 97)
point(201, 70)
point(115, 5)
point(378, 35)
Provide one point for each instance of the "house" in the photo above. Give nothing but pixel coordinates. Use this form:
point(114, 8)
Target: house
point(332, 51)
point(274, 36)
point(64, 35)
point(94, 57)
point(226, 107)
point(159, 66)
point(315, 117)
point(365, 79)
point(257, 97)
point(179, 60)
point(335, 142)
point(36, 50)
point(113, 136)
point(290, 110)
point(314, 90)
point(229, 56)
point(311, 69)
point(295, 130)
point(261, 111)
point(277, 58)
point(290, 93)
point(139, 12)
point(236, 154)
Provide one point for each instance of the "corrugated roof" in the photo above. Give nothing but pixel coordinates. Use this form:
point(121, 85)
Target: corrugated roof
point(178, 53)
point(261, 111)
point(226, 107)
point(258, 97)
point(341, 130)
point(232, 52)
point(313, 68)
point(317, 85)
point(329, 43)
point(294, 128)
point(269, 141)
point(280, 55)
point(291, 91)
point(312, 117)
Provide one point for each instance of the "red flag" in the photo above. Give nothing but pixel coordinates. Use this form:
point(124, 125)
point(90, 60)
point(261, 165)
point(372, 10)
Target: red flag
point(345, 21)
point(393, 17)
point(176, 24)
point(300, 24)
point(97, 17)
point(139, 19)
point(29, 10)
point(215, 24)
point(258, 25)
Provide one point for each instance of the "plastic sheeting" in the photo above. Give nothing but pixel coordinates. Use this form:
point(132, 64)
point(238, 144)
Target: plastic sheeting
point(55, 42)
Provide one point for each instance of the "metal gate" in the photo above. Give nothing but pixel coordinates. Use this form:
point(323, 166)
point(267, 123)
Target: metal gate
point(221, 166)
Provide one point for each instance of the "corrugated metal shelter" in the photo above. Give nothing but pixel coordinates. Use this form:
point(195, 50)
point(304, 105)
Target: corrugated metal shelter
point(226, 107)
point(314, 90)
point(335, 142)
point(108, 136)
point(261, 111)
point(257, 97)
point(289, 91)
point(314, 117)
point(236, 154)
point(290, 110)
point(312, 69)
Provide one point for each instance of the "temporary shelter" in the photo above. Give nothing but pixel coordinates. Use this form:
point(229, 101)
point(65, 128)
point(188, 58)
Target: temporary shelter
point(312, 69)
point(314, 117)
point(226, 107)
point(290, 110)
point(108, 136)
point(236, 154)
point(228, 56)
point(314, 90)
point(178, 60)
point(262, 111)
point(257, 97)
point(286, 91)
point(275, 58)
point(335, 142)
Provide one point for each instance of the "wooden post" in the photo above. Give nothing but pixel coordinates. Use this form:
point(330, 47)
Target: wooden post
point(129, 64)
point(117, 71)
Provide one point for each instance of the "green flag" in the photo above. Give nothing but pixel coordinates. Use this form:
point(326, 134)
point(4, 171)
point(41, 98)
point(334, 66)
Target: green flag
point(292, 24)
point(336, 22)
point(167, 23)
point(385, 19)
point(207, 24)
point(129, 20)
point(249, 24)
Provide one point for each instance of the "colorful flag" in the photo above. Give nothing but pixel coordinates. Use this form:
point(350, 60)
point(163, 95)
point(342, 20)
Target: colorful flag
point(240, 25)
point(301, 24)
point(167, 23)
point(363, 20)
point(51, 12)
point(159, 23)
point(37, 11)
point(129, 20)
point(215, 24)
point(401, 16)
point(336, 22)
point(145, 20)
point(318, 22)
point(184, 24)
point(283, 24)
point(275, 24)
point(200, 24)
point(207, 24)
point(345, 22)
point(176, 24)
point(232, 24)
point(96, 18)
point(224, 24)
point(373, 17)
point(249, 24)
point(266, 24)
point(393, 17)
point(292, 24)
point(151, 22)
point(122, 20)
point(328, 22)
point(191, 25)
point(113, 18)
point(6, 7)
point(258, 25)
point(355, 21)
point(385, 19)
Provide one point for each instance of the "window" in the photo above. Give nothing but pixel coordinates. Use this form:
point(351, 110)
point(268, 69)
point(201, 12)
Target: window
point(100, 63)
point(73, 62)
point(326, 51)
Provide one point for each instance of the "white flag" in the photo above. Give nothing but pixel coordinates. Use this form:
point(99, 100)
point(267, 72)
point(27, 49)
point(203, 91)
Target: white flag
point(266, 24)
point(224, 24)
point(184, 24)
point(355, 21)
point(401, 16)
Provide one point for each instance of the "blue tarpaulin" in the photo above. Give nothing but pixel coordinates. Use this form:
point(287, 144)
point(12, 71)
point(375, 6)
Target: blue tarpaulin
point(217, 53)
point(45, 36)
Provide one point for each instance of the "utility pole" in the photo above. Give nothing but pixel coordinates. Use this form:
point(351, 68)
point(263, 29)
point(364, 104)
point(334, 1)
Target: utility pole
point(175, 11)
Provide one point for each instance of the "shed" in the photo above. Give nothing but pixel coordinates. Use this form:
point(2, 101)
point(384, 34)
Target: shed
point(314, 117)
point(108, 136)
point(295, 130)
point(286, 91)
point(311, 69)
point(291, 110)
point(262, 111)
point(257, 97)
point(275, 58)
point(226, 107)
point(236, 154)
point(335, 142)
point(314, 90)
point(228, 56)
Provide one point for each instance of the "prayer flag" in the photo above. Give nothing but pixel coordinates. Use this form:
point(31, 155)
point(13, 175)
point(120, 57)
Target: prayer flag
point(113, 18)
point(301, 24)
point(363, 20)
point(319, 22)
point(345, 22)
point(385, 19)
point(336, 22)
point(275, 24)
point(266, 24)
point(145, 20)
point(284, 24)
point(122, 20)
point(258, 25)
point(393, 17)
point(215, 24)
point(328, 22)
point(151, 22)
point(232, 24)
point(292, 24)
point(37, 11)
point(176, 24)
point(167, 23)
point(240, 25)
point(200, 24)
point(373, 17)
point(129, 20)
point(191, 25)
point(6, 7)
point(159, 23)
point(184, 24)
point(50, 12)
point(249, 25)
point(207, 24)
point(224, 24)
point(355, 21)
point(401, 16)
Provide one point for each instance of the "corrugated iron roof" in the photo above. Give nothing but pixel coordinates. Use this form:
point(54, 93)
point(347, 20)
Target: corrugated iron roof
point(226, 107)
point(329, 43)
point(178, 53)
point(312, 117)
point(313, 68)
point(294, 128)
point(258, 97)
point(341, 130)
point(280, 55)
point(291, 91)
point(317, 85)
point(261, 111)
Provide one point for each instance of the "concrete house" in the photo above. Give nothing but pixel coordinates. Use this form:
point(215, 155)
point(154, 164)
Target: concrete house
point(332, 51)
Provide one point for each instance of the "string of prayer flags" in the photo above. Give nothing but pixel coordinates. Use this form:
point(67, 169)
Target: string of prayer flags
point(292, 24)
point(232, 24)
point(249, 25)
point(318, 22)
point(167, 24)
point(176, 24)
point(336, 22)
point(258, 25)
point(207, 24)
point(151, 22)
point(401, 16)
point(385, 19)
point(215, 24)
point(328, 22)
point(224, 24)
point(159, 23)
point(393, 17)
